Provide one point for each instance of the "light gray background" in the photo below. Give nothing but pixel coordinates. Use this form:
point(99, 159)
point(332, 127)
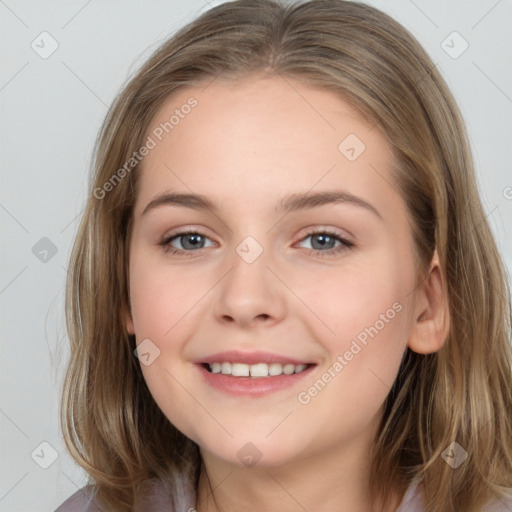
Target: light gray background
point(51, 110)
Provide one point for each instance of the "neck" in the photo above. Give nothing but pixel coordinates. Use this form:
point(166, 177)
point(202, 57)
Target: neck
point(335, 480)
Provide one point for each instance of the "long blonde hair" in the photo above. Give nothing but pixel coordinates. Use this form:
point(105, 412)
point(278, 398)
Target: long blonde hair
point(462, 393)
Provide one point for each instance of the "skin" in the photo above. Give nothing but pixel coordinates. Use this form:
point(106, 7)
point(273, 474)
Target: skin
point(246, 145)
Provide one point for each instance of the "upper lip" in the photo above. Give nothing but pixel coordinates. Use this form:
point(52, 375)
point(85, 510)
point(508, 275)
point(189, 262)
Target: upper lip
point(236, 356)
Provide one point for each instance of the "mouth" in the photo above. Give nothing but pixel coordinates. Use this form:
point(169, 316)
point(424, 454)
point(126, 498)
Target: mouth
point(255, 371)
point(252, 374)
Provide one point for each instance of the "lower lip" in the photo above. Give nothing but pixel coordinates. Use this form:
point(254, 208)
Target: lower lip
point(252, 386)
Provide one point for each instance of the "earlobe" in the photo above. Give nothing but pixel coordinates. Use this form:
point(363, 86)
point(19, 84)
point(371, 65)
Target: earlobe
point(130, 328)
point(432, 319)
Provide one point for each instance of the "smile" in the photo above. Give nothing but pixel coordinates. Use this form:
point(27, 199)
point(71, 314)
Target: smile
point(255, 370)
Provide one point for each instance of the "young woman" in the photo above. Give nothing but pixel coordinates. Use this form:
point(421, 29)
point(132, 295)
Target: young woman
point(284, 293)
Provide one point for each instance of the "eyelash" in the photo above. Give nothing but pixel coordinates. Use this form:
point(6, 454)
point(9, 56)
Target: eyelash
point(345, 244)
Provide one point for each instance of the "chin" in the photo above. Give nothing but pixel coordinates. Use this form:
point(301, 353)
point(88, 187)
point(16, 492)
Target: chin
point(255, 451)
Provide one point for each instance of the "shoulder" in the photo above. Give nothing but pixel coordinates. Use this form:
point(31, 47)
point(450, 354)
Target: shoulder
point(81, 501)
point(503, 504)
point(413, 501)
point(155, 497)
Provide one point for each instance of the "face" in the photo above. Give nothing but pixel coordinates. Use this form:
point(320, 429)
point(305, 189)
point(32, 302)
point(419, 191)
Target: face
point(263, 278)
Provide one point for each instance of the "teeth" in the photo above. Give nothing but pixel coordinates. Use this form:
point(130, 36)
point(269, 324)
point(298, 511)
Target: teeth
point(259, 370)
point(288, 369)
point(300, 367)
point(240, 370)
point(256, 370)
point(275, 369)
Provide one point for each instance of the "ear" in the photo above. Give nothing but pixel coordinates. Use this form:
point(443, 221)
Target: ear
point(431, 316)
point(130, 328)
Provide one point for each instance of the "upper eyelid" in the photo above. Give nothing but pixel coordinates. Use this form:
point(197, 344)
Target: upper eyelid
point(185, 231)
point(333, 231)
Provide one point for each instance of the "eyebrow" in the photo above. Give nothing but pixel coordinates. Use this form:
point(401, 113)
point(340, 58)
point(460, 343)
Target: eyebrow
point(288, 204)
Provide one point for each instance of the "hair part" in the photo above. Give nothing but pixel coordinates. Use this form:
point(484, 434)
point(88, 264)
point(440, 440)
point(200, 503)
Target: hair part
point(462, 393)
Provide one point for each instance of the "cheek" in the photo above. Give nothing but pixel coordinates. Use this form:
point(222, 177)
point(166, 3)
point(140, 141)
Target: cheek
point(358, 297)
point(165, 310)
point(161, 298)
point(367, 310)
point(364, 358)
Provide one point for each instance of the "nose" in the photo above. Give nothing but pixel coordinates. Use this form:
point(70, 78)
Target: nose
point(250, 294)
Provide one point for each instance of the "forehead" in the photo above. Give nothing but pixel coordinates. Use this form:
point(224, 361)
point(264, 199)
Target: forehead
point(265, 135)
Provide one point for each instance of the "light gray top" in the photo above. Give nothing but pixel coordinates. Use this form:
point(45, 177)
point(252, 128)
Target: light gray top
point(159, 500)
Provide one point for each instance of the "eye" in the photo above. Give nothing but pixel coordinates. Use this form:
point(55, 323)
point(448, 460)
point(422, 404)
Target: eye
point(324, 242)
point(190, 241)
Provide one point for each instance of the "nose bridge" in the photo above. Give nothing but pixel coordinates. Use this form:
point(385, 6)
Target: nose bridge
point(250, 290)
